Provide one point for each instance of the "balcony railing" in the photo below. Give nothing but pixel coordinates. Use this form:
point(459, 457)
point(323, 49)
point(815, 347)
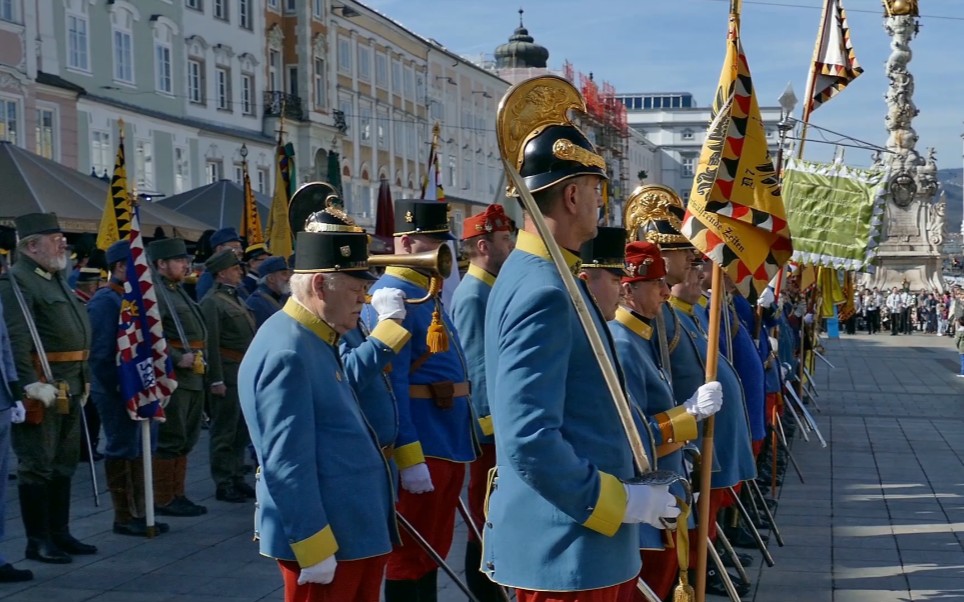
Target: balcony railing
point(276, 103)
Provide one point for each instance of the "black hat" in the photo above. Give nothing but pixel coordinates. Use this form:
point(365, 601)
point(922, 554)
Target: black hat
point(537, 136)
point(221, 261)
point(223, 236)
point(417, 216)
point(308, 200)
point(322, 252)
point(607, 250)
point(166, 248)
point(88, 275)
point(36, 223)
point(655, 213)
point(255, 251)
point(119, 251)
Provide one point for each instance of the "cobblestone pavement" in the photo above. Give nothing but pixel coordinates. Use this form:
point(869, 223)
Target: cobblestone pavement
point(880, 518)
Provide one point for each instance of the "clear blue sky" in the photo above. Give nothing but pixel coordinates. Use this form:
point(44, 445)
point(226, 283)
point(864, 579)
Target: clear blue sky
point(678, 45)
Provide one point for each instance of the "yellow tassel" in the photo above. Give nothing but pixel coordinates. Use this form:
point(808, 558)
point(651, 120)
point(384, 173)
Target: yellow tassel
point(684, 593)
point(436, 339)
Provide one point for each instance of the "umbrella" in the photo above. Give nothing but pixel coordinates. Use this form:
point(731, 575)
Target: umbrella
point(220, 204)
point(385, 218)
point(34, 184)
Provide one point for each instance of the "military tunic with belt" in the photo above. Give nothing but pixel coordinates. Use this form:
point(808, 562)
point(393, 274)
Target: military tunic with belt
point(230, 329)
point(323, 486)
point(49, 449)
point(561, 449)
point(179, 433)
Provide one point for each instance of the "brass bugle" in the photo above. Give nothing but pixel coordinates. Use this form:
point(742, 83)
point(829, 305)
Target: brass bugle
point(437, 263)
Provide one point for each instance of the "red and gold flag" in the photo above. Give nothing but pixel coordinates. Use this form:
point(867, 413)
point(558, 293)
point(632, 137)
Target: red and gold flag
point(834, 64)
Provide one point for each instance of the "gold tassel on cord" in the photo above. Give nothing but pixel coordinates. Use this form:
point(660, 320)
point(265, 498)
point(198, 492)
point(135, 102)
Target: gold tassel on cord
point(436, 339)
point(684, 592)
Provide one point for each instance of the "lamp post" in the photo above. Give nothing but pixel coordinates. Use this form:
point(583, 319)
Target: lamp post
point(788, 101)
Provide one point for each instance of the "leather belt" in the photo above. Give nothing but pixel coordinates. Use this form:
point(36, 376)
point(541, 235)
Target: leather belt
point(232, 354)
point(425, 391)
point(665, 449)
point(388, 451)
point(67, 356)
point(178, 345)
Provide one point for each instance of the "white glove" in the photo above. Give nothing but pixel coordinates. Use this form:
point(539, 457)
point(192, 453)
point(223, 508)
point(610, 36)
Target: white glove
point(322, 573)
point(774, 344)
point(389, 303)
point(649, 503)
point(45, 393)
point(808, 318)
point(18, 413)
point(706, 401)
point(766, 298)
point(416, 479)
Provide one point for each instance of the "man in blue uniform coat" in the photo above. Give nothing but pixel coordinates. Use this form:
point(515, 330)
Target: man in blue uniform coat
point(436, 435)
point(273, 290)
point(562, 520)
point(225, 238)
point(487, 239)
point(324, 490)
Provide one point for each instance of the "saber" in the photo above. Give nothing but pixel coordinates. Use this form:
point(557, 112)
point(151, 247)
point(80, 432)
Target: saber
point(796, 417)
point(752, 528)
point(731, 553)
point(810, 419)
point(427, 548)
point(724, 574)
point(825, 360)
point(647, 592)
point(755, 491)
point(467, 519)
point(783, 439)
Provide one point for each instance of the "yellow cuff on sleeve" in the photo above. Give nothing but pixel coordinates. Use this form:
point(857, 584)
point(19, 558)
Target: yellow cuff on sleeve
point(676, 425)
point(392, 334)
point(316, 548)
point(409, 455)
point(485, 423)
point(610, 507)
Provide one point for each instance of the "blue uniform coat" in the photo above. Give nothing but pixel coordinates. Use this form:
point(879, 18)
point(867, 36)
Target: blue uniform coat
point(556, 506)
point(323, 486)
point(263, 304)
point(468, 313)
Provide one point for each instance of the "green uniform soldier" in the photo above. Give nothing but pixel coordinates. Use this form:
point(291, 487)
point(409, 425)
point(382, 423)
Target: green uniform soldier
point(50, 337)
point(187, 339)
point(231, 328)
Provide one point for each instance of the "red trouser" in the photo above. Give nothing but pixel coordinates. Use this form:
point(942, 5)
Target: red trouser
point(478, 481)
point(433, 516)
point(614, 593)
point(355, 581)
point(719, 499)
point(660, 569)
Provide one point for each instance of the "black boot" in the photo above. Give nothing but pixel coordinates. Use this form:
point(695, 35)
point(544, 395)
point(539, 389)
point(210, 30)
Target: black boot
point(60, 518)
point(716, 587)
point(428, 587)
point(35, 510)
point(479, 584)
point(401, 591)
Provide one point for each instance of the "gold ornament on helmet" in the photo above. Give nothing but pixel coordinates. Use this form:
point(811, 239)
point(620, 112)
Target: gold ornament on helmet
point(655, 213)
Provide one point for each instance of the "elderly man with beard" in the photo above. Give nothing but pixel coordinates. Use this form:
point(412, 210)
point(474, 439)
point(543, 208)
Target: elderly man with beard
point(47, 444)
point(273, 289)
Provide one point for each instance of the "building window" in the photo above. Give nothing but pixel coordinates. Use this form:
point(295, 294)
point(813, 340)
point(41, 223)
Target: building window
point(381, 70)
point(290, 6)
point(453, 162)
point(78, 44)
point(397, 77)
point(381, 128)
point(273, 58)
point(365, 121)
point(144, 164)
point(223, 83)
point(292, 80)
point(9, 111)
point(686, 169)
point(321, 100)
point(195, 81)
point(221, 9)
point(163, 68)
point(100, 152)
point(319, 9)
point(123, 56)
point(273, 4)
point(364, 63)
point(345, 106)
point(213, 171)
point(8, 11)
point(46, 132)
point(409, 83)
point(262, 180)
point(344, 55)
point(247, 94)
point(238, 174)
point(182, 172)
point(244, 14)
point(466, 173)
point(687, 134)
point(195, 4)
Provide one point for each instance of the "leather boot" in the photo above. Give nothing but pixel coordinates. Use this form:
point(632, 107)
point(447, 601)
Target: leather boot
point(163, 469)
point(428, 587)
point(172, 478)
point(478, 583)
point(119, 485)
point(60, 518)
point(180, 475)
point(401, 590)
point(138, 524)
point(35, 511)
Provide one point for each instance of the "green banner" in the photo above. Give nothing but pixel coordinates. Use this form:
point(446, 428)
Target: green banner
point(835, 213)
